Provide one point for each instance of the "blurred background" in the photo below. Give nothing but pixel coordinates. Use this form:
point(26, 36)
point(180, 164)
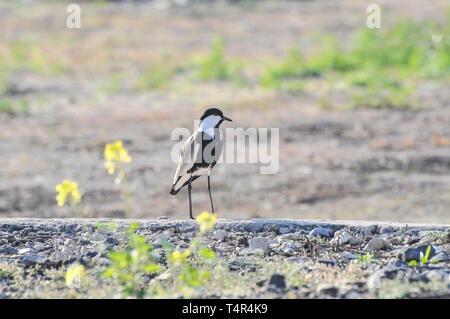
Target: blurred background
point(364, 114)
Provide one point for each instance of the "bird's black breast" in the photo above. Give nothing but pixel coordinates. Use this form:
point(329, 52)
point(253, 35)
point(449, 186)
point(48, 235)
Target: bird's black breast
point(206, 160)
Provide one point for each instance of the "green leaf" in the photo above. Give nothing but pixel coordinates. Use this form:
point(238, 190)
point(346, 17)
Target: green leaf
point(207, 253)
point(412, 263)
point(152, 268)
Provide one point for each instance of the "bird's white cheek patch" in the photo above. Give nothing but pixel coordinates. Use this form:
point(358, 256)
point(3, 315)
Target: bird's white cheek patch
point(208, 124)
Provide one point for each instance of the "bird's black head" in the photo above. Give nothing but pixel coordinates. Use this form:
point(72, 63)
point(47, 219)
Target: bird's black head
point(216, 112)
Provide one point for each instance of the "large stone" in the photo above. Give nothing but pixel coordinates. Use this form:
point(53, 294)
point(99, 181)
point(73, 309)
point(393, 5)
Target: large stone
point(416, 253)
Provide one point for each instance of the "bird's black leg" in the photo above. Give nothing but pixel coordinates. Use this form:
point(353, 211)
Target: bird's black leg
point(210, 198)
point(190, 200)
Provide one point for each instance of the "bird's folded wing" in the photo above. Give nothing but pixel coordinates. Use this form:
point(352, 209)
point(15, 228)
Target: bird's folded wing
point(188, 155)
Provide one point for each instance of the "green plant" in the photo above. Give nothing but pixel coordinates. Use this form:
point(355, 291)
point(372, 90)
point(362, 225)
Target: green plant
point(14, 107)
point(6, 106)
point(191, 268)
point(330, 57)
point(424, 259)
point(131, 265)
point(215, 67)
point(286, 75)
point(155, 77)
point(368, 258)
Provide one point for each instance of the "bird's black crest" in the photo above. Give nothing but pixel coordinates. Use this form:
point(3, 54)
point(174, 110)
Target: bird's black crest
point(211, 111)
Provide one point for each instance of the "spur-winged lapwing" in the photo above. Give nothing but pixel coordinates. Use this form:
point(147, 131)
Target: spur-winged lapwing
point(199, 154)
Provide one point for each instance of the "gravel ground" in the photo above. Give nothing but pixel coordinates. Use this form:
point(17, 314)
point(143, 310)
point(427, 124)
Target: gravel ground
point(257, 258)
point(335, 162)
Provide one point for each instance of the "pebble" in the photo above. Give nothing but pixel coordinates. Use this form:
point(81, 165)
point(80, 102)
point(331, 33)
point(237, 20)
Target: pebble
point(220, 234)
point(30, 260)
point(441, 257)
point(24, 251)
point(342, 237)
point(321, 231)
point(438, 275)
point(386, 229)
point(259, 243)
point(348, 255)
point(39, 246)
point(277, 281)
point(374, 280)
point(377, 244)
point(10, 250)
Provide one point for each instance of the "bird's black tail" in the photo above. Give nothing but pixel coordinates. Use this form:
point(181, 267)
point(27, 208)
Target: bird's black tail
point(173, 191)
point(175, 188)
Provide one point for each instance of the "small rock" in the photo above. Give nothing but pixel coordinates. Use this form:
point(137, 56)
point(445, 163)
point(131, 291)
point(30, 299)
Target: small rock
point(328, 290)
point(397, 263)
point(288, 245)
point(161, 237)
point(342, 237)
point(386, 229)
point(112, 241)
point(241, 241)
point(24, 251)
point(442, 256)
point(415, 253)
point(377, 244)
point(374, 280)
point(162, 217)
point(320, 231)
point(395, 240)
point(326, 262)
point(30, 260)
point(277, 281)
point(259, 243)
point(68, 242)
point(39, 247)
point(348, 255)
point(9, 250)
point(283, 230)
point(438, 275)
point(418, 278)
point(98, 237)
point(220, 234)
point(297, 260)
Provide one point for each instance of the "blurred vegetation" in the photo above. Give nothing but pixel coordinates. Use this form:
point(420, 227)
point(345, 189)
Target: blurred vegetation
point(215, 67)
point(14, 107)
point(379, 68)
point(384, 64)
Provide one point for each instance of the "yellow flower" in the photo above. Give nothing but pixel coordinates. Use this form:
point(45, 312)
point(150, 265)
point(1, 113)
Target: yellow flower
point(75, 274)
point(115, 153)
point(206, 221)
point(67, 189)
point(179, 257)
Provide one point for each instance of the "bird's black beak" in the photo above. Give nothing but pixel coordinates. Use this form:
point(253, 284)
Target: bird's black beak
point(226, 119)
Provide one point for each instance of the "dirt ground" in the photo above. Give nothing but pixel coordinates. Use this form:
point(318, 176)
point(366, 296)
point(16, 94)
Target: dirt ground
point(335, 162)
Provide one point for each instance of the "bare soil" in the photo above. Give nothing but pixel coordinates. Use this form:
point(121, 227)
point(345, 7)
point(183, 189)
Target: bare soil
point(335, 163)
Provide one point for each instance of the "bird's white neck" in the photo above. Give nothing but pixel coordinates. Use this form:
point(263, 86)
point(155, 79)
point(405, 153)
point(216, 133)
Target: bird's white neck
point(208, 124)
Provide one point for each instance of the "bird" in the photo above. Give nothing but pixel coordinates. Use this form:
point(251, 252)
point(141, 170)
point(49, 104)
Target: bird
point(199, 154)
